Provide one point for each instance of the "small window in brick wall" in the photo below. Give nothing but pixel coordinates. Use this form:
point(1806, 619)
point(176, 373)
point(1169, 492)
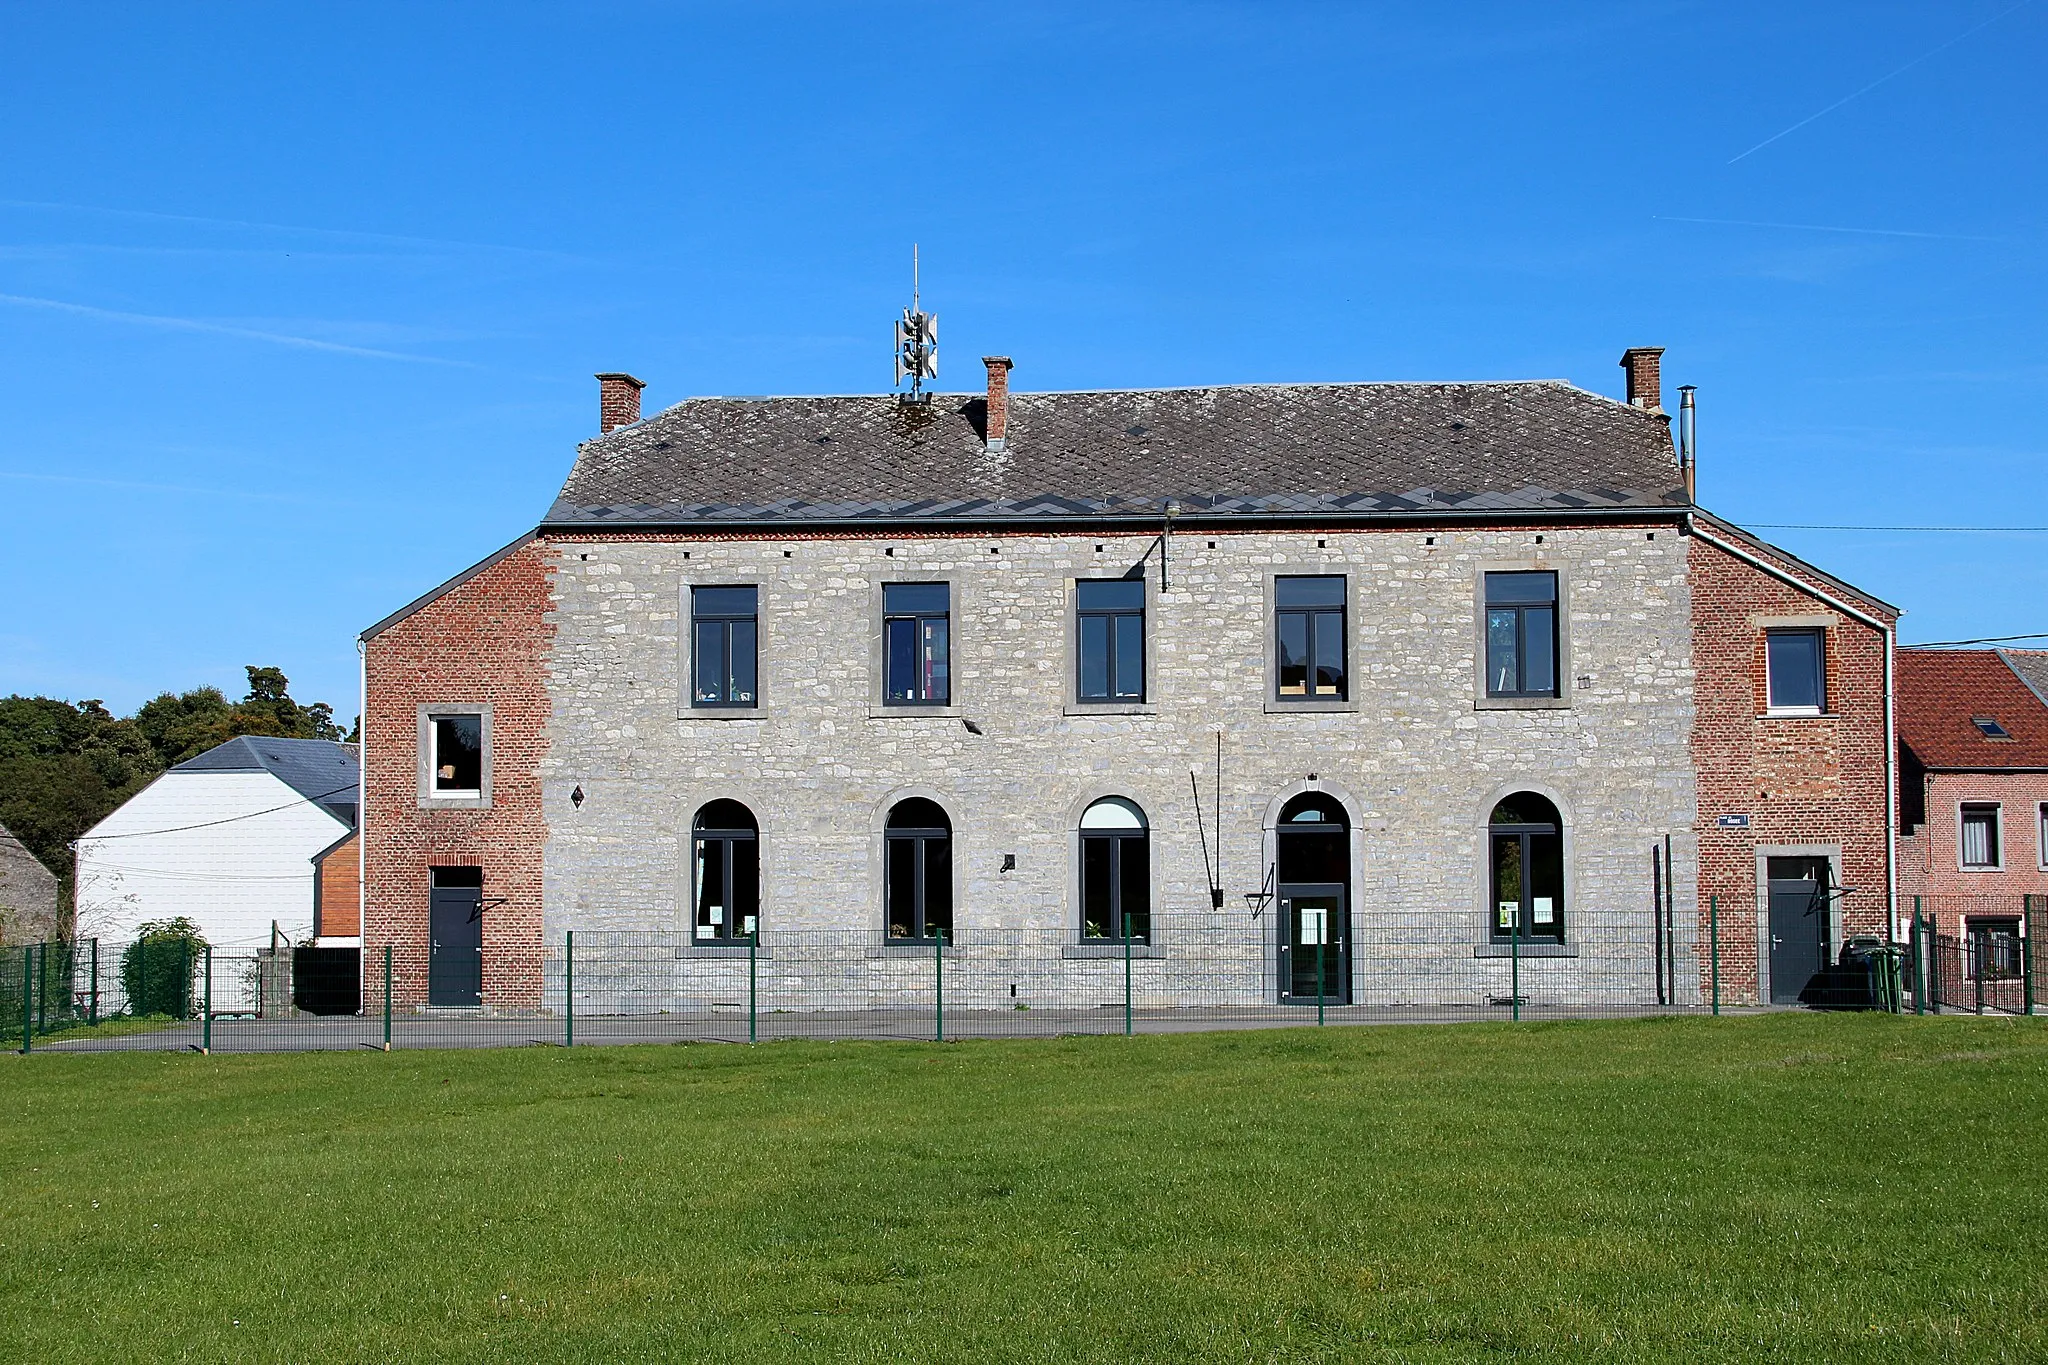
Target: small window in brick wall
point(458, 758)
point(1796, 663)
point(1980, 836)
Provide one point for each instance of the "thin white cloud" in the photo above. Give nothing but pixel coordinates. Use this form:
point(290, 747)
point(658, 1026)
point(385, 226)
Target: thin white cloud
point(1824, 227)
point(246, 225)
point(223, 329)
point(1900, 71)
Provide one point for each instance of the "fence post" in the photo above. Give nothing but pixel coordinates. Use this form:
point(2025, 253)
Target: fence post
point(753, 982)
point(1714, 947)
point(939, 981)
point(28, 1016)
point(569, 989)
point(2027, 955)
point(94, 1016)
point(43, 987)
point(1917, 948)
point(1515, 968)
point(387, 997)
point(1127, 976)
point(206, 1008)
point(1322, 932)
point(1975, 959)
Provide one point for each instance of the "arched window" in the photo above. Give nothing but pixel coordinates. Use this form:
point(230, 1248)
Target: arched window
point(1116, 872)
point(726, 862)
point(919, 870)
point(1313, 840)
point(1528, 870)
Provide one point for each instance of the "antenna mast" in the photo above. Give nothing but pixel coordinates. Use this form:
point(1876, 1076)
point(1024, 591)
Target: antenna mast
point(917, 341)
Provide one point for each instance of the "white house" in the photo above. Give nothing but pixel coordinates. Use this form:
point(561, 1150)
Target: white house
point(226, 839)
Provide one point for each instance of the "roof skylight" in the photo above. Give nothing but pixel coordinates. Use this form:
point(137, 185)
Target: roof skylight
point(1990, 728)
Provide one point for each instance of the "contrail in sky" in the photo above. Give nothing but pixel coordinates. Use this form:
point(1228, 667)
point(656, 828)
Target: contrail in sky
point(278, 227)
point(1823, 227)
point(223, 329)
point(1881, 80)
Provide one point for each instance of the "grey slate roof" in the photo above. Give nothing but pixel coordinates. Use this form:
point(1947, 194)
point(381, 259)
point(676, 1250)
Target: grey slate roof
point(1282, 450)
point(2032, 667)
point(322, 771)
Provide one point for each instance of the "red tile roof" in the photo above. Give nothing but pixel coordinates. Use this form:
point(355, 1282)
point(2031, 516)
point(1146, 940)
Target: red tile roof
point(1940, 693)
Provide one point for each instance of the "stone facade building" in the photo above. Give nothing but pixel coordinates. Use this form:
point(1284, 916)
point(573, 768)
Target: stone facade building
point(29, 895)
point(1428, 676)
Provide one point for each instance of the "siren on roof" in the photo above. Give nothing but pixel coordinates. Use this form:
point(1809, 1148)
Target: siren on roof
point(917, 342)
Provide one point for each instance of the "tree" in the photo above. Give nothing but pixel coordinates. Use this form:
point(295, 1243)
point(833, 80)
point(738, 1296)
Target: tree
point(66, 766)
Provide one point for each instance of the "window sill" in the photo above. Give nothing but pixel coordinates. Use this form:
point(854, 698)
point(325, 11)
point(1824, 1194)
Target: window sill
point(1528, 950)
point(1111, 951)
point(1110, 708)
point(1521, 703)
point(720, 713)
point(1799, 713)
point(455, 803)
point(948, 711)
point(1980, 871)
point(912, 947)
point(1308, 707)
point(707, 948)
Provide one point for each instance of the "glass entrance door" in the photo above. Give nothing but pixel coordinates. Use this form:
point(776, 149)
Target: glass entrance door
point(1317, 928)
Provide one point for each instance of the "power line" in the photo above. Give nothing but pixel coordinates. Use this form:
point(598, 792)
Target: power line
point(1809, 526)
point(1986, 640)
point(209, 824)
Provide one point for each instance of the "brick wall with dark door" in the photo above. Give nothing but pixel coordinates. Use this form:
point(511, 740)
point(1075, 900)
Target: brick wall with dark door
point(480, 647)
point(1788, 778)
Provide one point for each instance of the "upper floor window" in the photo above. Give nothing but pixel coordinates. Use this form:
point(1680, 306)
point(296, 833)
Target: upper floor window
point(1521, 634)
point(1795, 661)
point(1309, 619)
point(1980, 836)
point(455, 755)
point(727, 864)
point(1112, 639)
point(723, 631)
point(916, 643)
point(918, 877)
point(1528, 870)
point(1115, 872)
point(458, 758)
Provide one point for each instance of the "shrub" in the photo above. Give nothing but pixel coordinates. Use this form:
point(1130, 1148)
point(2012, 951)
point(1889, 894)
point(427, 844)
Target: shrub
point(156, 969)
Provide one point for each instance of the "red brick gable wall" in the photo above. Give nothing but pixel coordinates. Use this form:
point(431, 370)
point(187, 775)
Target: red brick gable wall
point(484, 640)
point(1800, 780)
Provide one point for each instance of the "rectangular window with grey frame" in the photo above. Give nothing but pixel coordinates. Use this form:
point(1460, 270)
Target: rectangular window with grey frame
point(1980, 836)
point(724, 634)
point(457, 761)
point(1795, 662)
point(1309, 620)
point(1111, 635)
point(1521, 634)
point(917, 644)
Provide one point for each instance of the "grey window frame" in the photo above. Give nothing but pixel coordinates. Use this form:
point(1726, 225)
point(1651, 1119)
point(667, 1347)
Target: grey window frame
point(919, 642)
point(701, 834)
point(921, 837)
point(428, 797)
point(1119, 841)
point(727, 620)
point(1280, 615)
point(1117, 618)
point(1526, 832)
point(1819, 706)
point(1995, 811)
point(1521, 610)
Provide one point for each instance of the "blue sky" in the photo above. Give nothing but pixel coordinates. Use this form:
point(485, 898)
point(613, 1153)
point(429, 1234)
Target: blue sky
point(298, 309)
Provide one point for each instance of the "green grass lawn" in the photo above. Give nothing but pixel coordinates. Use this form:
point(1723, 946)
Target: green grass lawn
point(1791, 1187)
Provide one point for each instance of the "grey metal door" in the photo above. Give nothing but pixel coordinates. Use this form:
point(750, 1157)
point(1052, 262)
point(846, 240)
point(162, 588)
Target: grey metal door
point(455, 958)
point(1317, 936)
point(1798, 897)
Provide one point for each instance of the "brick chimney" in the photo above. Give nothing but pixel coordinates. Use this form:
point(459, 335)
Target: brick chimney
point(618, 401)
point(1645, 377)
point(998, 400)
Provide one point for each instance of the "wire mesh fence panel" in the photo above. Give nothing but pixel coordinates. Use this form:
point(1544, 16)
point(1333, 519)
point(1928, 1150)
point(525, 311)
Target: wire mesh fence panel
point(1979, 954)
point(1300, 962)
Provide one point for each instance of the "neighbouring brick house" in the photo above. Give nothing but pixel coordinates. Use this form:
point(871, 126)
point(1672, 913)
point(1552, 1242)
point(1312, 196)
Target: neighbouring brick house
point(1973, 790)
point(1455, 663)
